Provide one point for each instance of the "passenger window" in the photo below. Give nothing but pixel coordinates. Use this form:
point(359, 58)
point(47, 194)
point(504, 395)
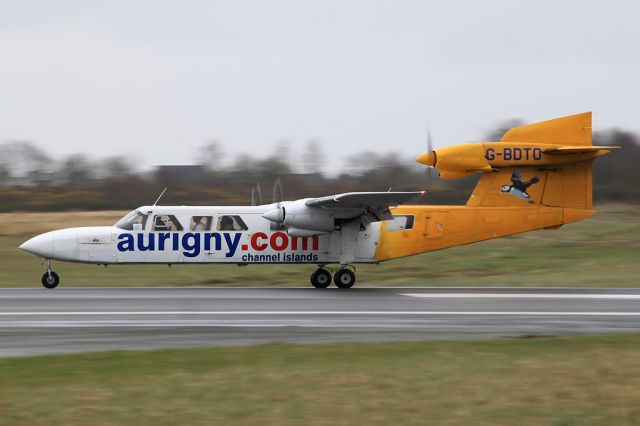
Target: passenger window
point(166, 222)
point(200, 223)
point(231, 223)
point(400, 223)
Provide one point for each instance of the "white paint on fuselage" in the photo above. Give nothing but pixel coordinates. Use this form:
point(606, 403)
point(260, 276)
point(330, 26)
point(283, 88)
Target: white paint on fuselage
point(258, 244)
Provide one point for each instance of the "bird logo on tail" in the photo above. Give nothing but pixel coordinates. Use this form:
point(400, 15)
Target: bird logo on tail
point(518, 188)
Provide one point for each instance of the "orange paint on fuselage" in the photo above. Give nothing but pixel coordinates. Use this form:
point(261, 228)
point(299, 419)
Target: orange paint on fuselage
point(439, 227)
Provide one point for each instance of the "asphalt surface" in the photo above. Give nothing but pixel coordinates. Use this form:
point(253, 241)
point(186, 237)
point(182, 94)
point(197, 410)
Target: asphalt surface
point(39, 321)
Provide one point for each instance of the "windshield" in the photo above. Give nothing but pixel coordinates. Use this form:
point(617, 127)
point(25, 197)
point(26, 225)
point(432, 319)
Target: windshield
point(134, 221)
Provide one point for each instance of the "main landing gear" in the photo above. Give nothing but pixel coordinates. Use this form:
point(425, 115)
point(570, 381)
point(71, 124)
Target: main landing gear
point(343, 278)
point(50, 279)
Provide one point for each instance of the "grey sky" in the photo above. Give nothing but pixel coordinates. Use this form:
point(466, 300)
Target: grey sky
point(156, 79)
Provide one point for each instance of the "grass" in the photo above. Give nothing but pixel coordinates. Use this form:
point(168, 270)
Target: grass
point(556, 381)
point(599, 252)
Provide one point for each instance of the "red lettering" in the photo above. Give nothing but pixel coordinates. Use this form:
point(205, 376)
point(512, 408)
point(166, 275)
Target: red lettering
point(314, 243)
point(284, 241)
point(254, 241)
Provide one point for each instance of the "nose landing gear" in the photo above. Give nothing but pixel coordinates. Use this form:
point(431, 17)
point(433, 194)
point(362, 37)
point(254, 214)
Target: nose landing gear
point(50, 279)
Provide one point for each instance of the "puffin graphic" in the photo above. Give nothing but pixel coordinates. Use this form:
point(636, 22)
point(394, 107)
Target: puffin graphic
point(518, 188)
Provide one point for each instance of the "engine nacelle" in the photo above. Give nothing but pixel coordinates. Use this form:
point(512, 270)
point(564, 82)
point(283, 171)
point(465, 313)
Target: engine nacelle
point(457, 161)
point(303, 233)
point(297, 215)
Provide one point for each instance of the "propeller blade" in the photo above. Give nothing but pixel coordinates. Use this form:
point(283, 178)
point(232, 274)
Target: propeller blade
point(256, 195)
point(278, 193)
point(429, 149)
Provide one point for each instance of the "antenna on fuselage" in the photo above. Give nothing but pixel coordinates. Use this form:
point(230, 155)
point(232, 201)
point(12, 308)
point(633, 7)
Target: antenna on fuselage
point(160, 196)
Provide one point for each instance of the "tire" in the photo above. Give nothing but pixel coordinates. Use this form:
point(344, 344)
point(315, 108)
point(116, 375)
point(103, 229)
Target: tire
point(50, 281)
point(321, 278)
point(344, 278)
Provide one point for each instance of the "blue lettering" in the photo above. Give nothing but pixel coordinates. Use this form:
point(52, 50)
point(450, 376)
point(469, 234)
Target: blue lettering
point(489, 154)
point(232, 244)
point(191, 244)
point(126, 243)
point(537, 154)
point(507, 153)
point(152, 242)
point(517, 154)
point(526, 153)
point(162, 237)
point(207, 241)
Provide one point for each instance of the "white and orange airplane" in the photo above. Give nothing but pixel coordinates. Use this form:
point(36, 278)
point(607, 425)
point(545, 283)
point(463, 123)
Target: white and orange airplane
point(538, 176)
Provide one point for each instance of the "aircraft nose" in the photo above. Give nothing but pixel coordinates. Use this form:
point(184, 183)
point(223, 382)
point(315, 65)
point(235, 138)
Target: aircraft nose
point(40, 245)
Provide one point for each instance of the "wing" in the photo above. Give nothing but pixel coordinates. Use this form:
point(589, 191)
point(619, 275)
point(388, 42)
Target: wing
point(374, 205)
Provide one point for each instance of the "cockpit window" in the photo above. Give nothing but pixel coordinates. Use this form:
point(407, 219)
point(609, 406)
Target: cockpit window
point(400, 223)
point(134, 221)
point(166, 222)
point(231, 223)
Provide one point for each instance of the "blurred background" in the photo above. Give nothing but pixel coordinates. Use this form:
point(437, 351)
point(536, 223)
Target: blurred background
point(104, 104)
point(33, 179)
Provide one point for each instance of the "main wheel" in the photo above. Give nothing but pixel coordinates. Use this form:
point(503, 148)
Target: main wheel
point(344, 278)
point(321, 278)
point(50, 281)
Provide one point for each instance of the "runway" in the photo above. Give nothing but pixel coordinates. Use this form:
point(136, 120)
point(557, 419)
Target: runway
point(39, 321)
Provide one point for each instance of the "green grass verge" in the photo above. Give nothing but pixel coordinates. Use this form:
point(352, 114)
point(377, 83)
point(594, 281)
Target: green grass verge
point(599, 252)
point(558, 381)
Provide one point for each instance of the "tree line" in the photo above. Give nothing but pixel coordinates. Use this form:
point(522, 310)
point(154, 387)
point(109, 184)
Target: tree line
point(31, 180)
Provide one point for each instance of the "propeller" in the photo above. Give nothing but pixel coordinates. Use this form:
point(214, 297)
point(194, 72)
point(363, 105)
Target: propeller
point(429, 150)
point(277, 193)
point(256, 195)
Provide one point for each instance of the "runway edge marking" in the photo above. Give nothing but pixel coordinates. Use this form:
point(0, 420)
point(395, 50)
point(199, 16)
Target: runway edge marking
point(359, 313)
point(521, 296)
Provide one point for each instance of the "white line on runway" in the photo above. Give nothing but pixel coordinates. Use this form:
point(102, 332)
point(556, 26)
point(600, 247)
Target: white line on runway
point(360, 313)
point(521, 296)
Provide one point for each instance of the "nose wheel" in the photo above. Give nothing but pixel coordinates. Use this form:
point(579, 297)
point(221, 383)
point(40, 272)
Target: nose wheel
point(50, 279)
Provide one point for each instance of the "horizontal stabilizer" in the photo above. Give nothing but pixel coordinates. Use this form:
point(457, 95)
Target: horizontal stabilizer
point(577, 149)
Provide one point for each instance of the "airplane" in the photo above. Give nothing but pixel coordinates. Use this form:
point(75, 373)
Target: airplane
point(538, 176)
